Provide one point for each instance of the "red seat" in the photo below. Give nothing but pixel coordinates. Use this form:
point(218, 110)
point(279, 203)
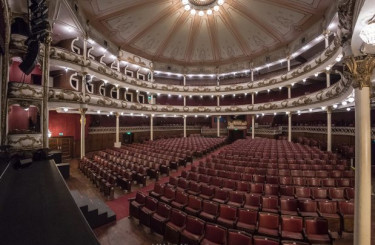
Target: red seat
point(256, 188)
point(316, 231)
point(214, 234)
point(194, 205)
point(183, 184)
point(260, 240)
point(328, 210)
point(175, 225)
point(193, 232)
point(239, 238)
point(147, 210)
point(210, 211)
point(247, 220)
point(169, 194)
point(268, 224)
point(158, 191)
point(194, 188)
point(136, 203)
point(343, 182)
point(229, 185)
point(173, 181)
point(180, 201)
point(270, 204)
point(288, 206)
point(328, 182)
point(302, 193)
point(227, 216)
point(159, 218)
point(252, 201)
point(308, 208)
point(207, 192)
point(259, 178)
point(319, 193)
point(313, 182)
point(216, 181)
point(243, 186)
point(287, 191)
point(346, 211)
point(291, 227)
point(271, 190)
point(204, 179)
point(298, 181)
point(293, 243)
point(236, 199)
point(336, 194)
point(349, 193)
point(221, 196)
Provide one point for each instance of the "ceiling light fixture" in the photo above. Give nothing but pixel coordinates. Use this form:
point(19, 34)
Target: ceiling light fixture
point(202, 7)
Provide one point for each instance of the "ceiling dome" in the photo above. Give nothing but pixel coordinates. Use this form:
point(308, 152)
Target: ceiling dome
point(165, 31)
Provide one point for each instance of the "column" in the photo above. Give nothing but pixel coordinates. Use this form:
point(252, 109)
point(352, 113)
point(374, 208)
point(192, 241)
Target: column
point(289, 91)
point(360, 70)
point(184, 80)
point(184, 100)
point(45, 79)
point(218, 126)
point(290, 126)
point(151, 127)
point(184, 126)
point(117, 143)
point(252, 75)
point(83, 131)
point(329, 128)
point(217, 100)
point(84, 53)
point(328, 78)
point(252, 98)
point(288, 62)
point(4, 88)
point(252, 126)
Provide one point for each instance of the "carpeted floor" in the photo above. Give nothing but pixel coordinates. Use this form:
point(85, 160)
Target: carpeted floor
point(121, 205)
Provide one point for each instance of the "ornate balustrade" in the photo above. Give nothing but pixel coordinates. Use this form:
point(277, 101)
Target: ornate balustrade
point(25, 141)
point(213, 131)
point(60, 97)
point(65, 58)
point(350, 131)
point(112, 130)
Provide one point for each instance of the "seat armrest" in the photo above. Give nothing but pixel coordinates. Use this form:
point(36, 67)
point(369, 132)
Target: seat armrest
point(131, 199)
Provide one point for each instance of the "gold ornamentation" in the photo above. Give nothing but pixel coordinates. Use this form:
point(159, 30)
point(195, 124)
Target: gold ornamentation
point(359, 69)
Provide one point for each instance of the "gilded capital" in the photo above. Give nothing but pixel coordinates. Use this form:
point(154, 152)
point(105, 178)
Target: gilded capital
point(359, 70)
point(83, 110)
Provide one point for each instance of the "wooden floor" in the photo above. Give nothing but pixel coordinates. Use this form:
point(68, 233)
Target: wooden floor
point(127, 231)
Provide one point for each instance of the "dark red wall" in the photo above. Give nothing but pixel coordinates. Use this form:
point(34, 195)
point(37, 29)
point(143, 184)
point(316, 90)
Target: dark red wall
point(18, 118)
point(16, 75)
point(68, 124)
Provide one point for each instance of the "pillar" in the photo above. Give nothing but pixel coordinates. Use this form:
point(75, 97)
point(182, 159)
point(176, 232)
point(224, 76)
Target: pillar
point(360, 70)
point(152, 127)
point(290, 126)
point(326, 38)
point(84, 53)
point(288, 62)
point(218, 100)
point(218, 126)
point(83, 131)
point(252, 98)
point(329, 128)
point(184, 126)
point(252, 126)
point(152, 75)
point(184, 100)
point(289, 91)
point(252, 75)
point(328, 78)
point(184, 80)
point(117, 143)
point(45, 79)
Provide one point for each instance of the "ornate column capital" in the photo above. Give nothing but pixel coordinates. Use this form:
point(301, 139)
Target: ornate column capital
point(83, 111)
point(359, 69)
point(329, 109)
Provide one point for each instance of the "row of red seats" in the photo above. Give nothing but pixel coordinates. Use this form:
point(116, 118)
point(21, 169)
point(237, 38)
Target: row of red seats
point(183, 227)
point(229, 180)
point(243, 187)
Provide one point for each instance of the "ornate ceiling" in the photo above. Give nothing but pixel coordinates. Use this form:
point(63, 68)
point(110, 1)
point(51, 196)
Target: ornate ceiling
point(163, 31)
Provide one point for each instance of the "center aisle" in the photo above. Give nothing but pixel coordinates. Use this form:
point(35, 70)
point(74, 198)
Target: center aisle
point(121, 205)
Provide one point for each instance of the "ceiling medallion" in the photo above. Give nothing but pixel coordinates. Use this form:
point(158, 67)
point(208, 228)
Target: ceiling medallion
point(202, 7)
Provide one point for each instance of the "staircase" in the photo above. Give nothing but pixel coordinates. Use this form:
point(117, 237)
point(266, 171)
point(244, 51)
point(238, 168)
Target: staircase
point(96, 212)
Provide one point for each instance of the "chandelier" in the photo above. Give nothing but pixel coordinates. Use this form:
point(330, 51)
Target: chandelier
point(202, 7)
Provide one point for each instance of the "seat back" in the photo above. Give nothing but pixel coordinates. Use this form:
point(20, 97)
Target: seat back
point(228, 212)
point(221, 194)
point(239, 238)
point(210, 207)
point(151, 203)
point(247, 216)
point(288, 204)
point(253, 200)
point(328, 207)
point(194, 225)
point(291, 223)
point(269, 220)
point(178, 217)
point(302, 192)
point(163, 210)
point(169, 192)
point(256, 188)
point(307, 206)
point(140, 197)
point(346, 208)
point(336, 193)
point(181, 197)
point(195, 202)
point(215, 234)
point(236, 197)
point(316, 226)
point(270, 202)
point(207, 190)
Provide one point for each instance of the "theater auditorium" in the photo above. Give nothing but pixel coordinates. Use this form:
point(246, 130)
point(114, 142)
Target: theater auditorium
point(229, 122)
